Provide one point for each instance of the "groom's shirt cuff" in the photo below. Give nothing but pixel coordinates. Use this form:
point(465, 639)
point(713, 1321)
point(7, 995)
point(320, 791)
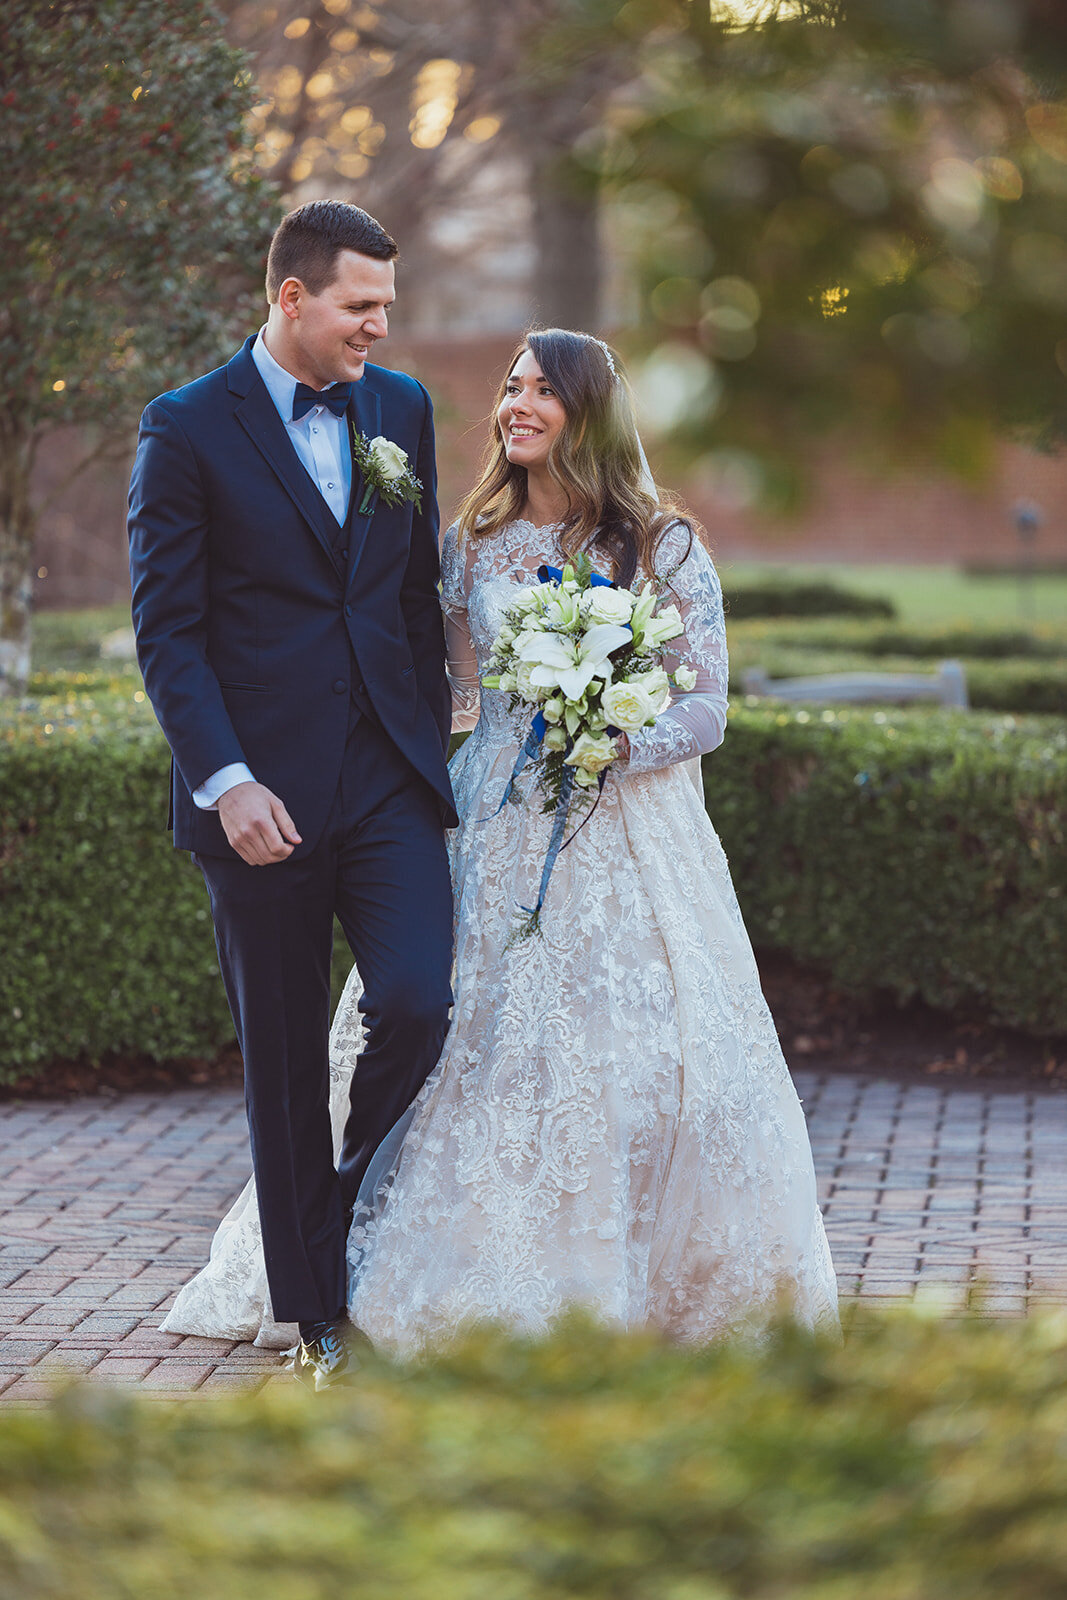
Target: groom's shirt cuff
point(209, 794)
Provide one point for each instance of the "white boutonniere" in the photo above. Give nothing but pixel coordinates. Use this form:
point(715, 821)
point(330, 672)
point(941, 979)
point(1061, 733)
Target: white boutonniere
point(386, 471)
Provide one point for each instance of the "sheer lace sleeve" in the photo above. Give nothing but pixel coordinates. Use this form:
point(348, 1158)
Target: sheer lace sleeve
point(695, 722)
point(461, 661)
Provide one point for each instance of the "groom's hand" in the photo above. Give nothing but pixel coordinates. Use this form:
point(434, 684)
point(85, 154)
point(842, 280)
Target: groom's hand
point(257, 824)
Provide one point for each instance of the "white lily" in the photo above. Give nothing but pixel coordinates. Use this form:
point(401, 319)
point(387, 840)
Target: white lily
point(561, 611)
point(570, 664)
point(646, 604)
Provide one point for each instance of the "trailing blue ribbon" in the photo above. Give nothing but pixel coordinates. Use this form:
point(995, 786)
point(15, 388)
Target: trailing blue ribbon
point(555, 842)
point(527, 754)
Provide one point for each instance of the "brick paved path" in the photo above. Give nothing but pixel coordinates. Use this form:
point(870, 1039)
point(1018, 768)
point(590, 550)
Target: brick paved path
point(108, 1205)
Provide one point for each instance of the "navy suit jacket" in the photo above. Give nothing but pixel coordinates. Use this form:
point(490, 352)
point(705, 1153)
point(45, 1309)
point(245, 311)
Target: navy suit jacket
point(250, 634)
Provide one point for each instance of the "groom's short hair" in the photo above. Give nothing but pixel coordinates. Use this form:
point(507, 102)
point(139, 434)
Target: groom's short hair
point(308, 241)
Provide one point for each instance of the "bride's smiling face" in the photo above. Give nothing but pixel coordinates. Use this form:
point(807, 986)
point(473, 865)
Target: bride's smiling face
point(531, 414)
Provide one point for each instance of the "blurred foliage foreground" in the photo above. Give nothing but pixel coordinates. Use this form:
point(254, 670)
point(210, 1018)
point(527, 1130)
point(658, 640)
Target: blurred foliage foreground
point(921, 1460)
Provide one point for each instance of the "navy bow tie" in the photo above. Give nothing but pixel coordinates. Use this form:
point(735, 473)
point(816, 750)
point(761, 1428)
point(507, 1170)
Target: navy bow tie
point(335, 399)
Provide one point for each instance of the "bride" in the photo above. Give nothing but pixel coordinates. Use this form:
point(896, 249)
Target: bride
point(611, 1123)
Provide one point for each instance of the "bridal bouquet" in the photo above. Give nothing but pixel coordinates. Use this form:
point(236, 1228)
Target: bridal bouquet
point(587, 657)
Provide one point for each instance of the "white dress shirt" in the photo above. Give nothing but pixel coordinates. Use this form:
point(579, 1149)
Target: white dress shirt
point(321, 441)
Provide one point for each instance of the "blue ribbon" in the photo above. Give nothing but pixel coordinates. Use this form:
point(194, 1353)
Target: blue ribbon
point(547, 574)
point(527, 754)
point(555, 845)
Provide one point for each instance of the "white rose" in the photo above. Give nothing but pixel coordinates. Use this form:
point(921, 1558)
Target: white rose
point(523, 685)
point(584, 780)
point(390, 460)
point(656, 685)
point(685, 678)
point(666, 624)
point(507, 683)
point(627, 706)
point(591, 752)
point(553, 709)
point(608, 605)
point(556, 739)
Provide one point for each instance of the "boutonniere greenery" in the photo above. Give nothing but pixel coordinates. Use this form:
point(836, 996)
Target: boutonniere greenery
point(386, 471)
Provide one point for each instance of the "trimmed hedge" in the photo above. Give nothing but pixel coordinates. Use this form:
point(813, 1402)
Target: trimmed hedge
point(920, 853)
point(1025, 685)
point(876, 639)
point(921, 1460)
point(917, 852)
point(782, 597)
point(106, 928)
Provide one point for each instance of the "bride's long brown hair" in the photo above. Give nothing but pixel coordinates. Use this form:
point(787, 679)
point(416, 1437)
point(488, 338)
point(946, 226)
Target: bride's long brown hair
point(595, 459)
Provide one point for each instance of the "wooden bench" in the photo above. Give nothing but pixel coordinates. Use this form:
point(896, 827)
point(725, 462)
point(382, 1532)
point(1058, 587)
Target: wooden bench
point(947, 686)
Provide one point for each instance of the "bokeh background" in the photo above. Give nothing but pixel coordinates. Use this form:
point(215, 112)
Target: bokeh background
point(830, 236)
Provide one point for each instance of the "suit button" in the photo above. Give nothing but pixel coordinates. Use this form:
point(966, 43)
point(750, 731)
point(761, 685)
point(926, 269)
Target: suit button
point(339, 686)
point(348, 611)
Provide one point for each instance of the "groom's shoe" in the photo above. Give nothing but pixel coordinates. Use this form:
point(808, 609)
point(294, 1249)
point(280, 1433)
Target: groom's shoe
point(331, 1359)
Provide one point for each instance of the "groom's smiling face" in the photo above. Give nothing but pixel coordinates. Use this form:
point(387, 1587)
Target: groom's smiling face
point(334, 331)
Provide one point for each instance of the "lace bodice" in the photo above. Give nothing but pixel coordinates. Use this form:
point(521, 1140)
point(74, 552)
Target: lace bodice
point(478, 580)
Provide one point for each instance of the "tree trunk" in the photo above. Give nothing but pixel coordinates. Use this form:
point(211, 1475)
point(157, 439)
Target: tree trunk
point(569, 268)
point(16, 557)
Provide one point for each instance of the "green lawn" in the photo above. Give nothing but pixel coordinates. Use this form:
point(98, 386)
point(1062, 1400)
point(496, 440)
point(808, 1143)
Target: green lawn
point(924, 594)
point(69, 641)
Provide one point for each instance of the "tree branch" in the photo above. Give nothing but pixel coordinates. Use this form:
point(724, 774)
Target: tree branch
point(112, 447)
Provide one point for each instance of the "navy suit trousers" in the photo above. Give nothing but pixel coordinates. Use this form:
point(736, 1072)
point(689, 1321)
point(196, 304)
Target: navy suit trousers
point(382, 868)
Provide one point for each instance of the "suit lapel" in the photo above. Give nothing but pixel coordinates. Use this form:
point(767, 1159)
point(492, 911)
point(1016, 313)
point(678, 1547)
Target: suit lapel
point(259, 417)
point(365, 412)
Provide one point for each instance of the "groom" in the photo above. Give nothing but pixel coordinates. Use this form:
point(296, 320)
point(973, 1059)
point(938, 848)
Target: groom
point(289, 632)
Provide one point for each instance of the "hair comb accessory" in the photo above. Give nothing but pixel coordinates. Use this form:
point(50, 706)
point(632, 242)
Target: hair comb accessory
point(609, 358)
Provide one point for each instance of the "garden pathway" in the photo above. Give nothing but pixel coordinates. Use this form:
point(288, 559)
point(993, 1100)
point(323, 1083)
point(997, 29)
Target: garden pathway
point(107, 1205)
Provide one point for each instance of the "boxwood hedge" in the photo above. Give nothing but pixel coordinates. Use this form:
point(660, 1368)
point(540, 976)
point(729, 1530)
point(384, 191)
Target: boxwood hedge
point(1026, 684)
point(921, 1460)
point(786, 597)
point(975, 641)
point(105, 928)
point(920, 853)
point(1008, 669)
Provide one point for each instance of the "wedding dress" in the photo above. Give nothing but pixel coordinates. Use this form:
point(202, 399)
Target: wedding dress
point(611, 1124)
